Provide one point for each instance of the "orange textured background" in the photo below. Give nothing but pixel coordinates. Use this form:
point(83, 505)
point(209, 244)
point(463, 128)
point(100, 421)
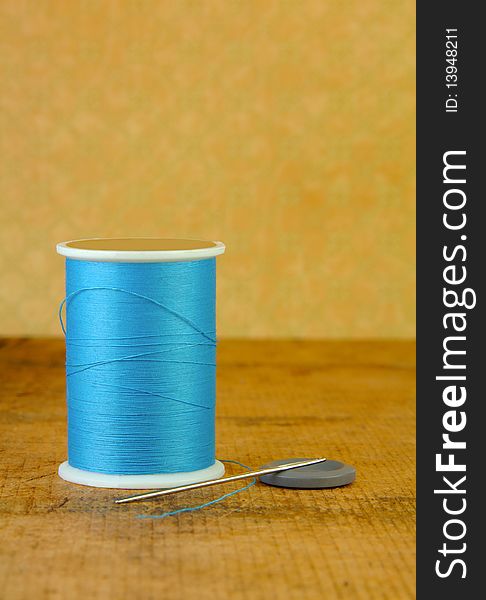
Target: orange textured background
point(285, 129)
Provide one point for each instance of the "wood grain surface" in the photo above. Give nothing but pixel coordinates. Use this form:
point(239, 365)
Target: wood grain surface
point(352, 401)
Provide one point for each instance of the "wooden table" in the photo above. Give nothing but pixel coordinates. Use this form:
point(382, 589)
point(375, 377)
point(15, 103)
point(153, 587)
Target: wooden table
point(352, 401)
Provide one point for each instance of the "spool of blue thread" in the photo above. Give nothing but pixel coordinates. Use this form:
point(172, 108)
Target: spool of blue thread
point(139, 320)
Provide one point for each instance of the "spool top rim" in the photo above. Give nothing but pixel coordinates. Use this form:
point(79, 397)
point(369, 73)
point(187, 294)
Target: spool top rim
point(138, 249)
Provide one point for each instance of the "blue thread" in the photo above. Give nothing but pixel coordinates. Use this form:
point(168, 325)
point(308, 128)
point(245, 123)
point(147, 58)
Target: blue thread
point(140, 366)
point(210, 503)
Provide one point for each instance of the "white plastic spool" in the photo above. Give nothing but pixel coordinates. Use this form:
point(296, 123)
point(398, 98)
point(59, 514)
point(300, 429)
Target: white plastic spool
point(139, 250)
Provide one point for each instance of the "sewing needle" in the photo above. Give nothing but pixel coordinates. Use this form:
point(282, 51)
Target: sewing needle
point(203, 484)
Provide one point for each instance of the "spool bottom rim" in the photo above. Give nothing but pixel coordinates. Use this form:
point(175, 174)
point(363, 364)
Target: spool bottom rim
point(138, 482)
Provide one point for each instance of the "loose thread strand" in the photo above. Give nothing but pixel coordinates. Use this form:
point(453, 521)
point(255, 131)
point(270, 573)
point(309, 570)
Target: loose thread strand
point(179, 511)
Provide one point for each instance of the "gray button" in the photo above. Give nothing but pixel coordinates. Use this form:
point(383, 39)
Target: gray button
point(328, 474)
